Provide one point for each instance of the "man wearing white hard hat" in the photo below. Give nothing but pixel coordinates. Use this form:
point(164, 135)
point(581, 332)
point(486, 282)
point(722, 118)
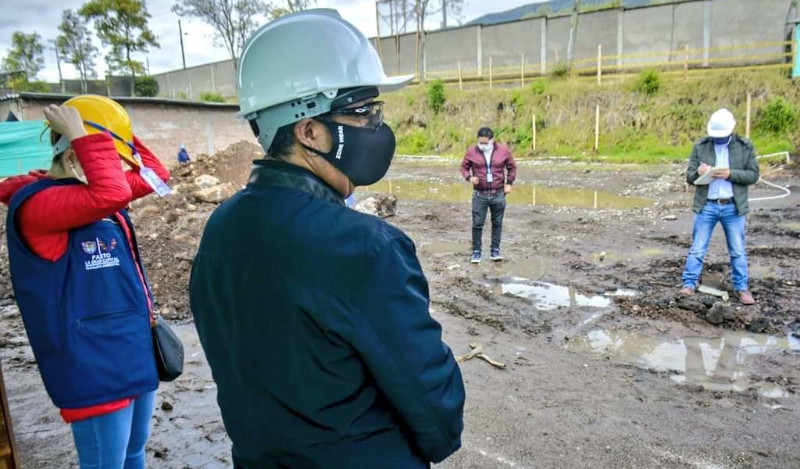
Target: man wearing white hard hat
point(314, 318)
point(731, 159)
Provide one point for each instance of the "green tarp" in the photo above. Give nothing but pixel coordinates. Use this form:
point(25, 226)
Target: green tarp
point(24, 146)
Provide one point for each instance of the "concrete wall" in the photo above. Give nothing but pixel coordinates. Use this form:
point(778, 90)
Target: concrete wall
point(163, 125)
point(596, 29)
point(444, 49)
point(661, 33)
point(217, 77)
point(505, 43)
point(733, 24)
point(640, 34)
point(398, 53)
point(557, 39)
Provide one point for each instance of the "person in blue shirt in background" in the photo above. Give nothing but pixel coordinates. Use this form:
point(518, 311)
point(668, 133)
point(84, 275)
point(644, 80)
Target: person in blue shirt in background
point(183, 155)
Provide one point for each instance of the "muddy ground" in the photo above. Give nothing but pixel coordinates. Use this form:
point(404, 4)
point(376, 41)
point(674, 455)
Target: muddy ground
point(606, 365)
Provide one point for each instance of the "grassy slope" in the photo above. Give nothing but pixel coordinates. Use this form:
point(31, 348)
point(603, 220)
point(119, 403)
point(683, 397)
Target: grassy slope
point(634, 127)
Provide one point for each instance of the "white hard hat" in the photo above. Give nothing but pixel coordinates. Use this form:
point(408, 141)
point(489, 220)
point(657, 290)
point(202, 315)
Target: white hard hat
point(293, 67)
point(721, 124)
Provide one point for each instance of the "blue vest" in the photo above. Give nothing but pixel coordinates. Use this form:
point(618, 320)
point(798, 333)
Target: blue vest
point(86, 314)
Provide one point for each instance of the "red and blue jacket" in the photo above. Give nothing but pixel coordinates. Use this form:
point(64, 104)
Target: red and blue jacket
point(79, 281)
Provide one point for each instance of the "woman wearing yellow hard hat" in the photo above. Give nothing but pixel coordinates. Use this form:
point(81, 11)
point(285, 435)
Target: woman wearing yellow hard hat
point(80, 283)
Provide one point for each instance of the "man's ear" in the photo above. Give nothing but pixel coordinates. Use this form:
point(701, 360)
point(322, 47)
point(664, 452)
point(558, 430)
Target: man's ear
point(308, 132)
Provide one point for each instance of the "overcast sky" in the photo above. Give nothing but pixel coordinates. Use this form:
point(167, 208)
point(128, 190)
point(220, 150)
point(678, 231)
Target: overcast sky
point(42, 17)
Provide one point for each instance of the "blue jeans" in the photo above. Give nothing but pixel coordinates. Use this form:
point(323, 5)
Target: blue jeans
point(116, 440)
point(704, 223)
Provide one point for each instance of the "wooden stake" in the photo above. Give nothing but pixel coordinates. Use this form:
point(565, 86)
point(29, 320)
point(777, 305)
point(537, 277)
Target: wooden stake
point(490, 73)
point(747, 125)
point(534, 196)
point(595, 200)
point(599, 62)
point(460, 77)
point(522, 70)
point(686, 64)
point(597, 128)
point(390, 186)
point(533, 124)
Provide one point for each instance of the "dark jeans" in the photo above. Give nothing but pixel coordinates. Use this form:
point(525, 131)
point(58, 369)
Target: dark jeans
point(481, 202)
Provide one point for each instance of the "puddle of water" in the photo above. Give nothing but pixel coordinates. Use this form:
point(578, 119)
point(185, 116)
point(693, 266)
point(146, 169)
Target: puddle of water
point(622, 292)
point(546, 296)
point(717, 364)
point(523, 194)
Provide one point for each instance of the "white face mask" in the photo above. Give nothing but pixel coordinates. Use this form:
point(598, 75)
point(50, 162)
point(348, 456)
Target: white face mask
point(486, 146)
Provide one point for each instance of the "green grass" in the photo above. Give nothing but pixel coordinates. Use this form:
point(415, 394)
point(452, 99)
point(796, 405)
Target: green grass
point(635, 127)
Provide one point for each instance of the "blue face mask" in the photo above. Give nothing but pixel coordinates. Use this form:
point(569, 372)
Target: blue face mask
point(721, 141)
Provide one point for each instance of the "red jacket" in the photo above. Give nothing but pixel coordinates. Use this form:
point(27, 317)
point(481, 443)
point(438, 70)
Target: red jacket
point(502, 161)
point(46, 219)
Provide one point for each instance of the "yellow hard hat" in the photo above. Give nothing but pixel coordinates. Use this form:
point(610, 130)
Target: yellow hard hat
point(104, 115)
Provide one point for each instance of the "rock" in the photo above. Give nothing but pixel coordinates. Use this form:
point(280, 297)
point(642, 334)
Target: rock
point(205, 181)
point(716, 314)
point(182, 238)
point(147, 211)
point(669, 218)
point(191, 208)
point(166, 406)
point(216, 194)
point(169, 313)
point(759, 325)
point(185, 256)
point(729, 314)
point(172, 217)
point(692, 304)
point(381, 205)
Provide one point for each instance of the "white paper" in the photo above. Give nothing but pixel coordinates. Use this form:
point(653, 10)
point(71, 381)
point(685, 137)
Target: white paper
point(708, 176)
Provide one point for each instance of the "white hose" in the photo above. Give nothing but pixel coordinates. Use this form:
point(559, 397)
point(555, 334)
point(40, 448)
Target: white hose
point(786, 190)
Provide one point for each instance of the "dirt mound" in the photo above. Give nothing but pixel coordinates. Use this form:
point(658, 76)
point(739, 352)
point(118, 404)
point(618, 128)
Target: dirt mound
point(169, 229)
point(229, 165)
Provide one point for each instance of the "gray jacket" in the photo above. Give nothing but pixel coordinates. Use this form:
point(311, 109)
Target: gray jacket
point(743, 165)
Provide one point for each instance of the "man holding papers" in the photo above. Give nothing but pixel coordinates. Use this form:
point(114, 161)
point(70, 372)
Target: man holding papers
point(722, 165)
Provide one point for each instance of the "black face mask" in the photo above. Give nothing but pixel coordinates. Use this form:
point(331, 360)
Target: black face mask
point(362, 154)
point(721, 141)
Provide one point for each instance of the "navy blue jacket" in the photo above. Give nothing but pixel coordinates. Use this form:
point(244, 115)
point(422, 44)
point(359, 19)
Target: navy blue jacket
point(314, 319)
point(86, 314)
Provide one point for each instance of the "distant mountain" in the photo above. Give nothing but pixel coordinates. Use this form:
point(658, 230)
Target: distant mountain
point(559, 7)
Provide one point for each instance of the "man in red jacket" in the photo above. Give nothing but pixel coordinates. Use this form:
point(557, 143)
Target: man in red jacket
point(491, 170)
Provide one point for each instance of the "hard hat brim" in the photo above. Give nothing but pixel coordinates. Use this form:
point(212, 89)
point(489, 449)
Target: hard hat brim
point(720, 133)
point(394, 83)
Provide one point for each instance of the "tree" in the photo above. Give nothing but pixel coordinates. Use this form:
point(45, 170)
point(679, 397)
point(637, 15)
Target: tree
point(75, 45)
point(122, 25)
point(232, 20)
point(290, 6)
point(25, 54)
point(146, 86)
